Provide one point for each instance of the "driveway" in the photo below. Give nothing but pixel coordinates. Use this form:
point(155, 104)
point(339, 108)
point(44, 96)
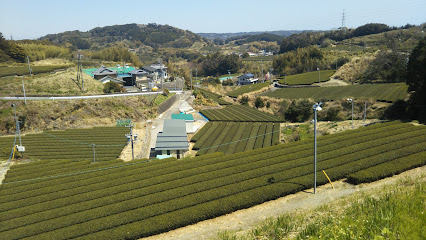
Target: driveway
point(157, 124)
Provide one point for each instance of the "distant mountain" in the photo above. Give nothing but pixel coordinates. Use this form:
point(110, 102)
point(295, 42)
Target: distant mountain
point(153, 35)
point(268, 37)
point(224, 36)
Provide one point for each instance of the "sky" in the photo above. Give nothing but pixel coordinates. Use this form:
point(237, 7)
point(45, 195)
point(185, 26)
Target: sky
point(31, 19)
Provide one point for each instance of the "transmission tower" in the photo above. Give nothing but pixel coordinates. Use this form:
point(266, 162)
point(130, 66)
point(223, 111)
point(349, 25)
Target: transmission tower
point(343, 21)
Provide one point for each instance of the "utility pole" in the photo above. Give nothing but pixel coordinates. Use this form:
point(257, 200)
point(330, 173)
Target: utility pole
point(131, 138)
point(317, 107)
point(262, 69)
point(319, 73)
point(29, 66)
point(161, 71)
point(365, 111)
point(190, 77)
point(94, 155)
point(80, 71)
point(23, 87)
point(352, 101)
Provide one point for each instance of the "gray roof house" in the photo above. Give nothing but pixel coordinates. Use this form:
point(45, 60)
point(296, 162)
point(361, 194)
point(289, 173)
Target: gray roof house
point(110, 79)
point(172, 141)
point(246, 79)
point(155, 70)
point(102, 72)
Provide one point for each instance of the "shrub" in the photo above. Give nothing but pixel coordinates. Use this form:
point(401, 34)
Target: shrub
point(111, 87)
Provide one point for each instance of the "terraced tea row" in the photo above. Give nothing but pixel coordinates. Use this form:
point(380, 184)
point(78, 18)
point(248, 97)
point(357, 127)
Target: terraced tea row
point(73, 144)
point(239, 113)
point(233, 137)
point(379, 92)
point(147, 198)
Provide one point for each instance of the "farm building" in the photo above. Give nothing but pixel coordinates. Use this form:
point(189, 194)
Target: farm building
point(247, 79)
point(172, 141)
point(102, 72)
point(189, 121)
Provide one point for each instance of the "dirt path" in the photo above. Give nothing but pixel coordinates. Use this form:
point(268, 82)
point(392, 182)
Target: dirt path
point(247, 218)
point(331, 83)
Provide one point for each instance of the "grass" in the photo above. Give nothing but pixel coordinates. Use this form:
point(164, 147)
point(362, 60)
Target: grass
point(23, 70)
point(59, 83)
point(394, 212)
point(210, 48)
point(160, 98)
point(302, 132)
point(307, 78)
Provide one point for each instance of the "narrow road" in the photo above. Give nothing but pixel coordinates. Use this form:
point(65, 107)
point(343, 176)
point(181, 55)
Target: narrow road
point(157, 125)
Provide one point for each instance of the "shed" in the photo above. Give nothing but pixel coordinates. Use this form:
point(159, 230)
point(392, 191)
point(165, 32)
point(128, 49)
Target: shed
point(246, 79)
point(173, 139)
point(189, 121)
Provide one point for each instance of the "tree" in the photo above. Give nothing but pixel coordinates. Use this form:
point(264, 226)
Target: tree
point(244, 100)
point(299, 111)
point(245, 55)
point(111, 87)
point(416, 80)
point(259, 103)
point(416, 70)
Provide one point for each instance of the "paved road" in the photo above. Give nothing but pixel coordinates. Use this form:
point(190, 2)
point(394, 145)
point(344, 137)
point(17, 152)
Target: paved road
point(86, 97)
point(158, 123)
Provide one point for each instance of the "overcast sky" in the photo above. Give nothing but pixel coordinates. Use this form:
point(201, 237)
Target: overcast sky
point(29, 19)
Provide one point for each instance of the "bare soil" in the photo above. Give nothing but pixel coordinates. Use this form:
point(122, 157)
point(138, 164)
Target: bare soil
point(245, 219)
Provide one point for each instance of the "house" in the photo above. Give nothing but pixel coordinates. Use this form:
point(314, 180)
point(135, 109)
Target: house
point(172, 141)
point(110, 79)
point(127, 79)
point(102, 72)
point(140, 78)
point(247, 79)
point(156, 71)
point(189, 121)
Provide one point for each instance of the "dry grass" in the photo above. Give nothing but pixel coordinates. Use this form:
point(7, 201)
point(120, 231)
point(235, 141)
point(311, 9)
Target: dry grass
point(52, 62)
point(59, 83)
point(42, 115)
point(355, 68)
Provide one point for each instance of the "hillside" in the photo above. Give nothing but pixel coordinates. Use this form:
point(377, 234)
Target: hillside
point(283, 33)
point(153, 35)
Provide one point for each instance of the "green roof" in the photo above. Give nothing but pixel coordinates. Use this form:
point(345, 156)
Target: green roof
point(186, 117)
point(118, 70)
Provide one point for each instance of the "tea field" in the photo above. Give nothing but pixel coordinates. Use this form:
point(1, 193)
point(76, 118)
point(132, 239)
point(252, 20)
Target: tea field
point(215, 97)
point(246, 89)
point(239, 113)
point(307, 78)
point(111, 200)
point(72, 144)
point(379, 92)
point(233, 137)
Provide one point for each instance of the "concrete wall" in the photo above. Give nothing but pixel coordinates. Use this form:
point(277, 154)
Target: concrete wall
point(167, 104)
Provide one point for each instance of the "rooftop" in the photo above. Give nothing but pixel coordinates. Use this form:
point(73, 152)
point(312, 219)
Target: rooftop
point(186, 117)
point(173, 136)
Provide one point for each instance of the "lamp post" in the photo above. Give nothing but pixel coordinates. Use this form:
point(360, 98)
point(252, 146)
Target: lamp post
point(352, 101)
point(229, 75)
point(317, 107)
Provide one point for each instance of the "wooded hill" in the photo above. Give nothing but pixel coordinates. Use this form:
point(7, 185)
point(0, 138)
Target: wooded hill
point(153, 35)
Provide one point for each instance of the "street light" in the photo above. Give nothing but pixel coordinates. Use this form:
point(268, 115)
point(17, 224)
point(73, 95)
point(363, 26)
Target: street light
point(317, 107)
point(20, 148)
point(352, 101)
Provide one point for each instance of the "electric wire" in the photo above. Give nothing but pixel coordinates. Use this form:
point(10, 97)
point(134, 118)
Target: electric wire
point(124, 165)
